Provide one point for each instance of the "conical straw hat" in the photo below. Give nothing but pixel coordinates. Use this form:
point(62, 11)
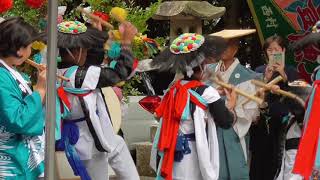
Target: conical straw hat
point(233, 33)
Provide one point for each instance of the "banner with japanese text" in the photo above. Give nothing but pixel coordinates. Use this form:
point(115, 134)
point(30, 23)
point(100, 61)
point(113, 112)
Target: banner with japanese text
point(291, 19)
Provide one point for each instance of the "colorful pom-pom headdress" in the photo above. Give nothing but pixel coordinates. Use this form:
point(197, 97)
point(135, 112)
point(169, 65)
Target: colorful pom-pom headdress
point(189, 51)
point(74, 34)
point(186, 43)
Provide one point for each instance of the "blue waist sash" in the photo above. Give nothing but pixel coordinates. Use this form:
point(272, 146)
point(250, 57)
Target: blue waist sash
point(182, 147)
point(69, 137)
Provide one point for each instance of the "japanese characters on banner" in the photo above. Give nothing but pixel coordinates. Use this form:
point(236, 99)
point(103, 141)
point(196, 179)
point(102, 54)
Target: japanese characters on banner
point(291, 19)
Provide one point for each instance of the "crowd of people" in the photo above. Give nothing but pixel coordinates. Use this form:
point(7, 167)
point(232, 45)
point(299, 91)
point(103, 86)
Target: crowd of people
point(206, 130)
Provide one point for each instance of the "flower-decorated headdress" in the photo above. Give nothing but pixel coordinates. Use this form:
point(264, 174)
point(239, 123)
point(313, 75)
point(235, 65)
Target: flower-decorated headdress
point(189, 51)
point(72, 27)
point(186, 43)
point(74, 34)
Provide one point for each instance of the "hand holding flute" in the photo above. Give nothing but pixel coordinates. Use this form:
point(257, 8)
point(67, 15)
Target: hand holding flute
point(238, 91)
point(260, 92)
point(41, 82)
point(42, 67)
point(279, 91)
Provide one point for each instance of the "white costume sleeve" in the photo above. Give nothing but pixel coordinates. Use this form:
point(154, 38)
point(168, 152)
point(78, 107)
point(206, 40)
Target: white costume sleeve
point(246, 113)
point(207, 143)
point(210, 95)
point(92, 78)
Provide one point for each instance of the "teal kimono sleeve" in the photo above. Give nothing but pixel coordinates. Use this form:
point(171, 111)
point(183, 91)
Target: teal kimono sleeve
point(19, 115)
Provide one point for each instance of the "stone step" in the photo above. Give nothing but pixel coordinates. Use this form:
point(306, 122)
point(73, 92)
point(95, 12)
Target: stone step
point(143, 151)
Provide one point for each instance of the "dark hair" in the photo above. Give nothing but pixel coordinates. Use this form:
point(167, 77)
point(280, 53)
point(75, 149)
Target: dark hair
point(95, 56)
point(275, 38)
point(15, 33)
point(213, 46)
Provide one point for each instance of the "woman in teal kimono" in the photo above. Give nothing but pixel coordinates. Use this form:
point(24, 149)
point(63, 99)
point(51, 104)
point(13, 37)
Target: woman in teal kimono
point(22, 121)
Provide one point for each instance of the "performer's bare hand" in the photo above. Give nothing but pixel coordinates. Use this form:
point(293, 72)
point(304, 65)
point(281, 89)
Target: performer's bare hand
point(221, 91)
point(41, 67)
point(231, 98)
point(128, 32)
point(274, 89)
point(97, 25)
point(41, 83)
point(261, 93)
point(111, 36)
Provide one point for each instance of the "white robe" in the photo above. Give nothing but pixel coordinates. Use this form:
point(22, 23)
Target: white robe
point(203, 161)
point(99, 116)
point(117, 151)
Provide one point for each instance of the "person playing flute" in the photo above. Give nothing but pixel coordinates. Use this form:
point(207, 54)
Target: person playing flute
point(233, 142)
point(21, 108)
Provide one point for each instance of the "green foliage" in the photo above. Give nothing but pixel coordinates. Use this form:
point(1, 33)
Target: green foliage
point(139, 16)
point(106, 5)
point(129, 89)
point(138, 51)
point(161, 41)
point(136, 15)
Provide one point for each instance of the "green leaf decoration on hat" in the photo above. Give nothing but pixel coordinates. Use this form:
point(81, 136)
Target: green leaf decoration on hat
point(186, 43)
point(72, 27)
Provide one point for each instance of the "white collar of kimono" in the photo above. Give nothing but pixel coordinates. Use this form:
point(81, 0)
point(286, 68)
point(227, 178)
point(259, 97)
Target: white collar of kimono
point(18, 76)
point(225, 75)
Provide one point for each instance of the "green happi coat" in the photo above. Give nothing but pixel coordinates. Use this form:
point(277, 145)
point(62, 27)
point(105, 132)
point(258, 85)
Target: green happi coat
point(21, 128)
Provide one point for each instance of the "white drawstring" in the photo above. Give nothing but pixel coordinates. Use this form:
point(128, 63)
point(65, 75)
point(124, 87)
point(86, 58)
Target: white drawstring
point(79, 57)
